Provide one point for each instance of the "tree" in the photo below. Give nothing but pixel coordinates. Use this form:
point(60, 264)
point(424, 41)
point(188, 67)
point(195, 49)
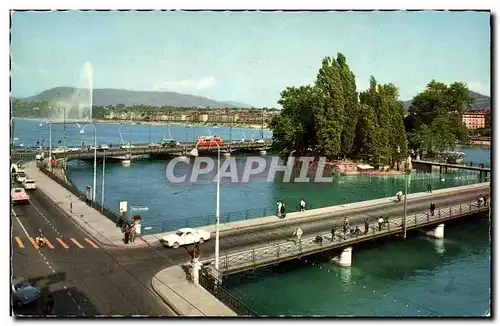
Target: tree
point(435, 122)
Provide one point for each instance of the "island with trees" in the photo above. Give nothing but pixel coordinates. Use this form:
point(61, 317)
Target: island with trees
point(331, 119)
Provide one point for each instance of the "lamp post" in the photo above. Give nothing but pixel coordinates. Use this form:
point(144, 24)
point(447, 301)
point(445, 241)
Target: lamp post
point(50, 145)
point(95, 156)
point(194, 152)
point(103, 170)
point(406, 194)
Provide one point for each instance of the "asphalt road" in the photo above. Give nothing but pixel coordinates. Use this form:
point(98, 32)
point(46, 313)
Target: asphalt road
point(84, 280)
point(87, 281)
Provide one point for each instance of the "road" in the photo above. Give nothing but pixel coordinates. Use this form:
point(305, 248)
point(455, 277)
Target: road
point(87, 281)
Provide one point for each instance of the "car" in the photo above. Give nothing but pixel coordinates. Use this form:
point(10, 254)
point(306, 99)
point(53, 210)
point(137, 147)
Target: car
point(185, 236)
point(29, 184)
point(40, 156)
point(154, 145)
point(260, 141)
point(23, 292)
point(125, 146)
point(169, 143)
point(20, 176)
point(18, 195)
point(104, 146)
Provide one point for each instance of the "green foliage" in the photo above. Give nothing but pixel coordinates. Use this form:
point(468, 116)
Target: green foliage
point(435, 122)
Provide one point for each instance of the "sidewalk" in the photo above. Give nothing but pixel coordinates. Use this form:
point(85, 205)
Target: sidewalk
point(93, 222)
point(227, 229)
point(186, 298)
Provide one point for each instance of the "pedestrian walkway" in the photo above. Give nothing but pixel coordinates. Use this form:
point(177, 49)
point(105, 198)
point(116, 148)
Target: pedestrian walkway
point(102, 229)
point(186, 298)
point(56, 243)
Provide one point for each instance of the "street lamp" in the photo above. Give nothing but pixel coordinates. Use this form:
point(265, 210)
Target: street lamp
point(194, 152)
point(103, 170)
point(95, 156)
point(406, 194)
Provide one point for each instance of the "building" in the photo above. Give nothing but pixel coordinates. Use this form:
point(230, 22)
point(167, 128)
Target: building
point(477, 119)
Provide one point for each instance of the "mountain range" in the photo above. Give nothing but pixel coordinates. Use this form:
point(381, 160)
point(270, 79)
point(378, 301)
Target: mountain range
point(108, 96)
point(480, 101)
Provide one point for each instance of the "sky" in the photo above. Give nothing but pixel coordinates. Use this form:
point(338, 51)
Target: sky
point(248, 57)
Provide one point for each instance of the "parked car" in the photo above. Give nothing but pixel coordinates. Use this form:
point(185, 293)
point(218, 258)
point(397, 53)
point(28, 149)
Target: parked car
point(20, 176)
point(29, 184)
point(104, 146)
point(40, 156)
point(260, 141)
point(154, 145)
point(185, 236)
point(169, 143)
point(18, 195)
point(23, 292)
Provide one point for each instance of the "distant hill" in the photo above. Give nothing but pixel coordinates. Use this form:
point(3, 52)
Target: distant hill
point(108, 96)
point(480, 101)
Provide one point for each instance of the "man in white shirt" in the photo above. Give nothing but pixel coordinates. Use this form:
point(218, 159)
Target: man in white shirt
point(302, 205)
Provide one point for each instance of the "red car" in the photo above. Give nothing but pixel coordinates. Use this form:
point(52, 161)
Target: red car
point(18, 195)
point(209, 141)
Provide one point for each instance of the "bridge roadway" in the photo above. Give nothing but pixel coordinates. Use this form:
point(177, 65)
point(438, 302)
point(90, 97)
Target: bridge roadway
point(175, 150)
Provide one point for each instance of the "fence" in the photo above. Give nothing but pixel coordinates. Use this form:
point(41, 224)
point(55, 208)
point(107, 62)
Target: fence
point(68, 185)
point(209, 219)
point(249, 259)
point(209, 282)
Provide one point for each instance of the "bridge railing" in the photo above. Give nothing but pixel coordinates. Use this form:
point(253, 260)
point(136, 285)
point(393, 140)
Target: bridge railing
point(307, 245)
point(209, 282)
point(209, 219)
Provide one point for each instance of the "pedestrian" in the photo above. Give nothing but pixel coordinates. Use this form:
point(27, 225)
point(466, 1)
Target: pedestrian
point(432, 208)
point(380, 222)
point(332, 231)
point(40, 240)
point(278, 208)
point(367, 225)
point(480, 201)
point(486, 198)
point(49, 306)
point(132, 232)
point(127, 233)
point(429, 188)
point(282, 210)
point(302, 205)
point(298, 233)
point(399, 194)
point(346, 227)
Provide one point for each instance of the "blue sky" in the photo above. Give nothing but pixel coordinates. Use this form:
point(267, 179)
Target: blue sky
point(246, 57)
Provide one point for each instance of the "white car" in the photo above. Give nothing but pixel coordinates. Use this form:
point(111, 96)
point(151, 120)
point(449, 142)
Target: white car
point(260, 141)
point(104, 146)
point(185, 236)
point(126, 146)
point(29, 184)
point(154, 145)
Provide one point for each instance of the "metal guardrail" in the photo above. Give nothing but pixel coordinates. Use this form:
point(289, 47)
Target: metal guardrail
point(209, 282)
point(209, 219)
point(250, 259)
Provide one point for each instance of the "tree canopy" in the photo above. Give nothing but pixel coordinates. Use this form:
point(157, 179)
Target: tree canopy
point(330, 118)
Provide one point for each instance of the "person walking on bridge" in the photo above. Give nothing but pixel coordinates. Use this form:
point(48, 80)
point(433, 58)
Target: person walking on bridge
point(298, 233)
point(432, 208)
point(399, 194)
point(302, 205)
point(346, 227)
point(429, 188)
point(367, 225)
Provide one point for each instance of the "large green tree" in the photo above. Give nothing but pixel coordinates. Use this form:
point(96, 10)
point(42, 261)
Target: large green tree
point(435, 122)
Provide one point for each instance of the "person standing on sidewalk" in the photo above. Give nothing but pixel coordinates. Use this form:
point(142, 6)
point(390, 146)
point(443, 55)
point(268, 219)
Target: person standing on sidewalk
point(298, 233)
point(302, 205)
point(126, 232)
point(346, 227)
point(429, 188)
point(367, 225)
point(432, 208)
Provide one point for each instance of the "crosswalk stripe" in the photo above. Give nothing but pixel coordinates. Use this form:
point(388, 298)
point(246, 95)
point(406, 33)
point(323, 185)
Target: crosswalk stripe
point(19, 242)
point(47, 242)
point(91, 243)
point(77, 243)
point(65, 246)
point(33, 243)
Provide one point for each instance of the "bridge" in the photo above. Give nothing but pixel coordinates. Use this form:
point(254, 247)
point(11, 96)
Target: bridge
point(271, 249)
point(182, 149)
point(483, 171)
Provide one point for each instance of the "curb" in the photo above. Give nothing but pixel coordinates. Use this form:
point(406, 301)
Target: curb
point(164, 299)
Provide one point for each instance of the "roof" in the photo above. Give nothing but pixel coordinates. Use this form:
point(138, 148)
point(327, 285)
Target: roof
point(186, 230)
